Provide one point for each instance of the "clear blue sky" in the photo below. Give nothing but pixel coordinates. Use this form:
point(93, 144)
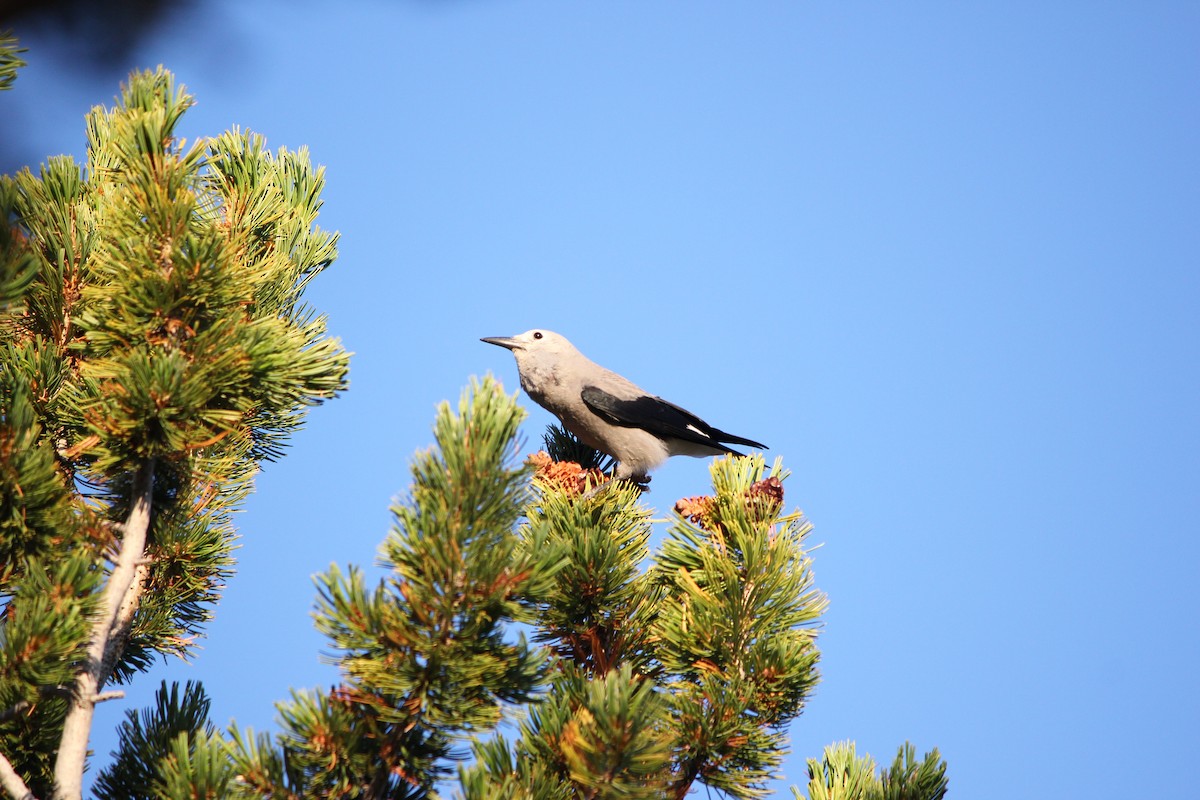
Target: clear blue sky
point(943, 258)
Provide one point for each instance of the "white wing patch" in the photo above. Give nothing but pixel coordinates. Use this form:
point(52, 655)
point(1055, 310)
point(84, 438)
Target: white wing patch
point(696, 430)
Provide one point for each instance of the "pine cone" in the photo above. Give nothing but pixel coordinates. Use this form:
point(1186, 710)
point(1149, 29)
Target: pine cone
point(697, 510)
point(567, 476)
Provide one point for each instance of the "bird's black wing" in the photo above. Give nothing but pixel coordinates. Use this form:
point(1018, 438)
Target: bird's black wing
point(657, 416)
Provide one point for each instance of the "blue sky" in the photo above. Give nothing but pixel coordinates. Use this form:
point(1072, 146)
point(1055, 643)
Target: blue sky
point(944, 259)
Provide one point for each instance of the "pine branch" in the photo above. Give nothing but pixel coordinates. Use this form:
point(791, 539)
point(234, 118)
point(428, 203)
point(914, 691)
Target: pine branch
point(163, 744)
point(844, 775)
point(109, 634)
point(22, 706)
point(10, 62)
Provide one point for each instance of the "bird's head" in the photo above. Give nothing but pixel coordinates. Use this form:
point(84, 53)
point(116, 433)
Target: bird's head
point(538, 346)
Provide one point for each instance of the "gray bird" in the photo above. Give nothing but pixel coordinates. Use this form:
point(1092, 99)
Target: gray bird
point(608, 412)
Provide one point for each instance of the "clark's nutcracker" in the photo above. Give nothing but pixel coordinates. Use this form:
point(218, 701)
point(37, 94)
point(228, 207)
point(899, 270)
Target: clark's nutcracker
point(608, 412)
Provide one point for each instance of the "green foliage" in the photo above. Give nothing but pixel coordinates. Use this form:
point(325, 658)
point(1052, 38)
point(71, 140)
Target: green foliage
point(652, 679)
point(196, 767)
point(36, 508)
point(909, 779)
point(151, 322)
point(424, 654)
point(616, 743)
point(737, 628)
point(843, 775)
point(156, 738)
point(10, 62)
point(18, 267)
point(661, 670)
point(596, 613)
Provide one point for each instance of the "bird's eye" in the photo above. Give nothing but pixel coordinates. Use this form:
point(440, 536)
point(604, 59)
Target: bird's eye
point(537, 334)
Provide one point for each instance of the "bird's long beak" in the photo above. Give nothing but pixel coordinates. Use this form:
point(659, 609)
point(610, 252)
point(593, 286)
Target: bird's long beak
point(506, 342)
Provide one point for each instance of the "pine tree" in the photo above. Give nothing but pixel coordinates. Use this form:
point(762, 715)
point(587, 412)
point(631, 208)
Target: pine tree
point(656, 673)
point(153, 351)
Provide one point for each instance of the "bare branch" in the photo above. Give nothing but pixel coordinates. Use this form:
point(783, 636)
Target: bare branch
point(12, 782)
point(114, 695)
point(109, 635)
